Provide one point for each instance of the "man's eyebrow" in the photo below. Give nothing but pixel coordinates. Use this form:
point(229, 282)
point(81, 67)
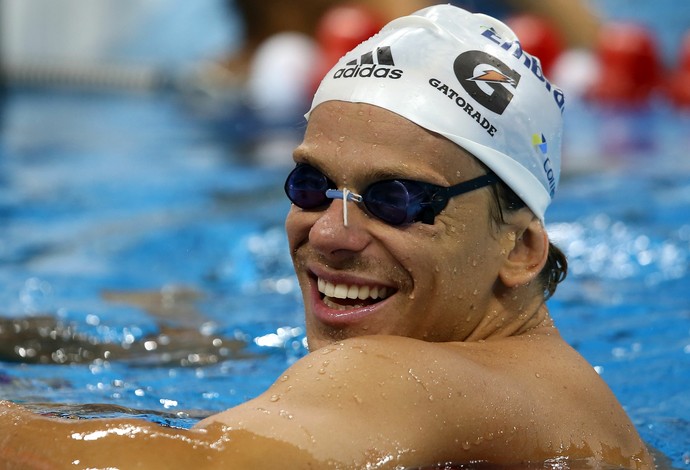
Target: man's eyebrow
point(302, 155)
point(404, 173)
point(379, 174)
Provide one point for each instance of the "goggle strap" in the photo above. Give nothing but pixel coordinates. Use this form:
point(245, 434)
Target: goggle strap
point(471, 185)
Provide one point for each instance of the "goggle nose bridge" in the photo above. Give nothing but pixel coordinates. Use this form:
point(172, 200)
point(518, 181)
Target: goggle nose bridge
point(346, 195)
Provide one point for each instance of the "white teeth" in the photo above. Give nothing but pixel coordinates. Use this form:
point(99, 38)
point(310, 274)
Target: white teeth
point(329, 290)
point(353, 292)
point(340, 291)
point(344, 291)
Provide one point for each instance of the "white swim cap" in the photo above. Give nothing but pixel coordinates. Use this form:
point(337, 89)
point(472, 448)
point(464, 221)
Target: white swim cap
point(466, 77)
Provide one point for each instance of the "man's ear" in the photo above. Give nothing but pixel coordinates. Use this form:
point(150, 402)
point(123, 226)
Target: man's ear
point(527, 255)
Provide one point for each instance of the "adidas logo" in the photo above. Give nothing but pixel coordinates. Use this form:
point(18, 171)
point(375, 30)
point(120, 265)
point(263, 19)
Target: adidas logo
point(384, 56)
point(366, 66)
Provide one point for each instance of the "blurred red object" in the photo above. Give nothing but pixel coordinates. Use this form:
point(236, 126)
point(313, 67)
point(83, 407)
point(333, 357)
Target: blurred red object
point(630, 69)
point(678, 86)
point(539, 37)
point(341, 29)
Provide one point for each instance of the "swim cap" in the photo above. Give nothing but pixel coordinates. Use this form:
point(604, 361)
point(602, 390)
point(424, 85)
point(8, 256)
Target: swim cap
point(466, 77)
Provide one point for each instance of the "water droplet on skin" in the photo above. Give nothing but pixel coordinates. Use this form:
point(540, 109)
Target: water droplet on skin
point(285, 414)
point(274, 398)
point(322, 371)
point(341, 138)
point(537, 375)
point(466, 445)
point(411, 297)
point(284, 378)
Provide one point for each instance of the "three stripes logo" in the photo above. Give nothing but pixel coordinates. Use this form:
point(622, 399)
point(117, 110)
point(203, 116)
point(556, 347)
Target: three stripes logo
point(373, 64)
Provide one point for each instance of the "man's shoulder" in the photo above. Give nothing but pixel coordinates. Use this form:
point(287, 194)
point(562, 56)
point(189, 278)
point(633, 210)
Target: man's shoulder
point(520, 373)
point(533, 347)
point(530, 365)
point(510, 395)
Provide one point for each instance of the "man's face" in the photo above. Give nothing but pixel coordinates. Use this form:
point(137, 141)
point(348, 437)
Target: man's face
point(432, 282)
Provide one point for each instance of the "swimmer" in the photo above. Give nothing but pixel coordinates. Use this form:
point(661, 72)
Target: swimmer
point(431, 344)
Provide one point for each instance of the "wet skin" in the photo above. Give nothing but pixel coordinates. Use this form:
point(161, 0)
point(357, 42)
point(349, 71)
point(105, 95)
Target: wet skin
point(459, 363)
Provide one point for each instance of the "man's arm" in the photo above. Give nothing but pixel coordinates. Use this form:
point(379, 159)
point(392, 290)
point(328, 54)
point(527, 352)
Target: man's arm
point(30, 441)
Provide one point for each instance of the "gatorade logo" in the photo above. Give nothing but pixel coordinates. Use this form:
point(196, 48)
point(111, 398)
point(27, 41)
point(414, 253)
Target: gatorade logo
point(376, 64)
point(488, 80)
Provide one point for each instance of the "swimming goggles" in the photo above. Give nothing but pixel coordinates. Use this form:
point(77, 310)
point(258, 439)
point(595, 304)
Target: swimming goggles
point(394, 201)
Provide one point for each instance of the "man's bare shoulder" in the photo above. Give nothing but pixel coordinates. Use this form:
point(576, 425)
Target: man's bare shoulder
point(526, 398)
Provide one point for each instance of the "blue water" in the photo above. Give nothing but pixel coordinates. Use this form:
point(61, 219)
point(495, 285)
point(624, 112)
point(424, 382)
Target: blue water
point(124, 217)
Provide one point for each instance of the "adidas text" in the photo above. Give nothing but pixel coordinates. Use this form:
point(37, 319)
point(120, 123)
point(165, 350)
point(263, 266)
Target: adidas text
point(369, 70)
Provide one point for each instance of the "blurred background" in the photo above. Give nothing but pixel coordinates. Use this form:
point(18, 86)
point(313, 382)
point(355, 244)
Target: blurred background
point(143, 149)
point(231, 44)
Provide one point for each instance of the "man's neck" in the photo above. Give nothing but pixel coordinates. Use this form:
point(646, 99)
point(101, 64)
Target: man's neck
point(512, 318)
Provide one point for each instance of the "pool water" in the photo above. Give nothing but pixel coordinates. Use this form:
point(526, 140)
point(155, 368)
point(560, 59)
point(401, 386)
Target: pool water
point(142, 244)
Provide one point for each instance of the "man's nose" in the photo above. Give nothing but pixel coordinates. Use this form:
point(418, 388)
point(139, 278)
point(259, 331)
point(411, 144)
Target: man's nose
point(329, 235)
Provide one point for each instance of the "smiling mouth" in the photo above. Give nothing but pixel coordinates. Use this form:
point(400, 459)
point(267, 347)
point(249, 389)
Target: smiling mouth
point(349, 296)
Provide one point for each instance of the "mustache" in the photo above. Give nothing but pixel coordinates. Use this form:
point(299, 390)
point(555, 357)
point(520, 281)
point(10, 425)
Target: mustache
point(305, 256)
